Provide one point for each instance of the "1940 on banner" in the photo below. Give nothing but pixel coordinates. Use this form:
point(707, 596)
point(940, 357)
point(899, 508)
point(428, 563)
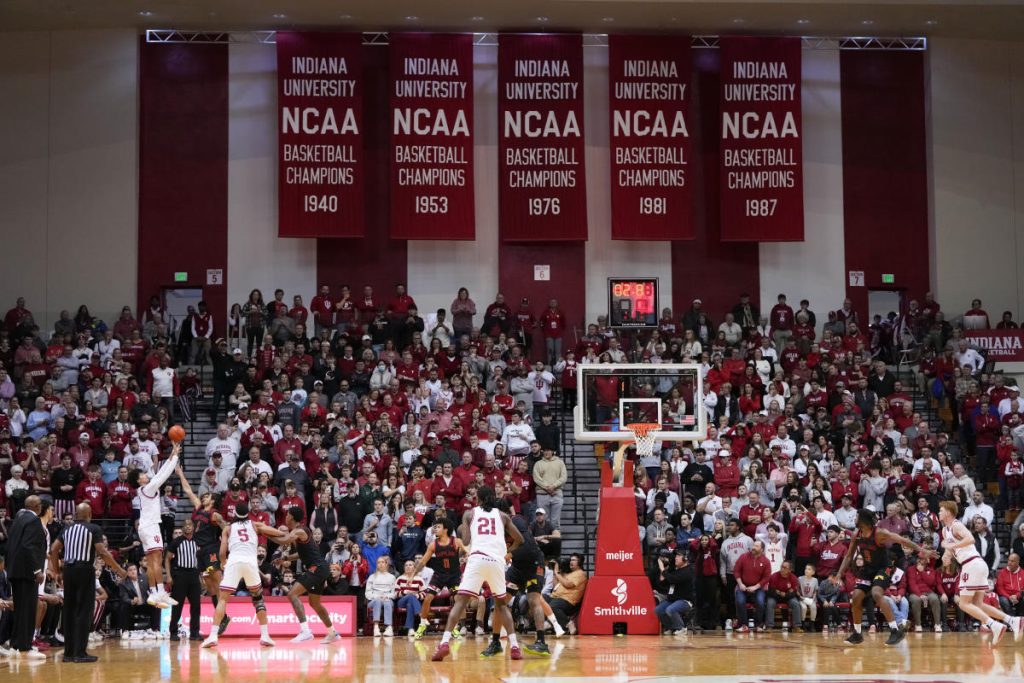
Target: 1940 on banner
point(320, 135)
point(542, 185)
point(649, 96)
point(432, 136)
point(761, 168)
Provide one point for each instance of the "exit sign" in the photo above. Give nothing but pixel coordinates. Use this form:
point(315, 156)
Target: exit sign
point(888, 278)
point(181, 276)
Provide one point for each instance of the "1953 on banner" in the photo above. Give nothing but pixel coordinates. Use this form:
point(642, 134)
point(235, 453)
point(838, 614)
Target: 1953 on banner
point(320, 135)
point(432, 136)
point(542, 186)
point(761, 168)
point(649, 95)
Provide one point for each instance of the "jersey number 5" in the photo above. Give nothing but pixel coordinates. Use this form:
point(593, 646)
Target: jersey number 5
point(486, 527)
point(243, 535)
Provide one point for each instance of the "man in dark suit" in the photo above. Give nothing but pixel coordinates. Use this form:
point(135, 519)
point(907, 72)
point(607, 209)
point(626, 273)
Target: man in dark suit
point(27, 555)
point(134, 591)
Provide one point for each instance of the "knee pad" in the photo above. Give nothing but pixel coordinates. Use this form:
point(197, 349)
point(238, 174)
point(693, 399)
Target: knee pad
point(257, 602)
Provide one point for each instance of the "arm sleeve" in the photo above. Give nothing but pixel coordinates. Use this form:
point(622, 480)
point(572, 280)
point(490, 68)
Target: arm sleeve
point(154, 485)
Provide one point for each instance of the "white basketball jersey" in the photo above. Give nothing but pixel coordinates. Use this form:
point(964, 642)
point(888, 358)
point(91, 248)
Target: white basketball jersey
point(487, 533)
point(242, 543)
point(962, 554)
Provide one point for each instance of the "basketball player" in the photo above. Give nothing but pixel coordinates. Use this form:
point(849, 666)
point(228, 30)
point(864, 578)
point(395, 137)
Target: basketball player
point(208, 525)
point(526, 574)
point(443, 557)
point(875, 576)
point(484, 529)
point(313, 579)
point(959, 543)
point(149, 526)
point(238, 544)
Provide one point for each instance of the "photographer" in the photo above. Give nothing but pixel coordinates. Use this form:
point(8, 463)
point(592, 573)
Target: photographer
point(675, 580)
point(570, 583)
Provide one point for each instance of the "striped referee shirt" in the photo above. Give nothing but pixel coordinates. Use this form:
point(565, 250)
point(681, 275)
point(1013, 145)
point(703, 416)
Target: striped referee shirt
point(186, 553)
point(80, 541)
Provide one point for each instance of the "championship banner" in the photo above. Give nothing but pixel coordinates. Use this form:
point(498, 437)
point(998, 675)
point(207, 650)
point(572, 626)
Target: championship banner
point(542, 185)
point(1001, 346)
point(432, 136)
point(649, 95)
point(762, 189)
point(320, 135)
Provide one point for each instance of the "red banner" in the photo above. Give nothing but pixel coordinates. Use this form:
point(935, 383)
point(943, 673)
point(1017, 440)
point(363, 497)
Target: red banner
point(649, 95)
point(1001, 346)
point(320, 135)
point(762, 189)
point(432, 136)
point(543, 189)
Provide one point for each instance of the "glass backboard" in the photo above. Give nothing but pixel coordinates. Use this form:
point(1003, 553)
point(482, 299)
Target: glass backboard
point(611, 395)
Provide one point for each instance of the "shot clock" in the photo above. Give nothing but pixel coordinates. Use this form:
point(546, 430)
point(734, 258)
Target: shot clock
point(633, 302)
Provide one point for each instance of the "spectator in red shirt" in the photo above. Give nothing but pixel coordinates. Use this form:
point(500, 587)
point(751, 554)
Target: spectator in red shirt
point(923, 591)
point(398, 307)
point(1010, 587)
point(783, 587)
point(92, 491)
point(752, 514)
point(323, 310)
point(830, 552)
point(986, 432)
point(119, 496)
point(552, 327)
point(806, 528)
point(782, 321)
point(752, 572)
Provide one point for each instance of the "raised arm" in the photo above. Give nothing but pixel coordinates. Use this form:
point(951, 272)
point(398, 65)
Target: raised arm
point(157, 482)
point(428, 553)
point(186, 487)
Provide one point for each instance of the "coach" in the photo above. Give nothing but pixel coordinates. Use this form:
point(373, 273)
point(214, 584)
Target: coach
point(26, 550)
point(79, 544)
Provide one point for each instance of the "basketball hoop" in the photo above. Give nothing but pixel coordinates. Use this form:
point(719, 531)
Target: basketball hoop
point(643, 435)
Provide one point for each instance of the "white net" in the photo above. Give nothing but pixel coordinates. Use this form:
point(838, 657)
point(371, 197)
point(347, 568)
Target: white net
point(644, 435)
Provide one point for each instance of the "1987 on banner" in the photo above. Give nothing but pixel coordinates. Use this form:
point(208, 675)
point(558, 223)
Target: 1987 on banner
point(760, 208)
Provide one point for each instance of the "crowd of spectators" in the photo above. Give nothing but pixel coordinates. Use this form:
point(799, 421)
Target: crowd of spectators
point(803, 432)
point(377, 421)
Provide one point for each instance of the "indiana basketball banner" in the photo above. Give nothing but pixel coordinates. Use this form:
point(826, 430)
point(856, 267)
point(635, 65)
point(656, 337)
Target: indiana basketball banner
point(542, 187)
point(1000, 346)
point(432, 136)
point(320, 135)
point(761, 168)
point(649, 95)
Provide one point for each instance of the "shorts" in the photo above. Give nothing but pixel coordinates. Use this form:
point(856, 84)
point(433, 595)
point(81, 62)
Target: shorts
point(152, 539)
point(973, 576)
point(314, 579)
point(209, 558)
point(874, 577)
point(526, 577)
point(481, 569)
point(438, 582)
point(241, 571)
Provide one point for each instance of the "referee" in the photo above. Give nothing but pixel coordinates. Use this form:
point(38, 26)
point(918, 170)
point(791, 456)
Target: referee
point(80, 543)
point(181, 564)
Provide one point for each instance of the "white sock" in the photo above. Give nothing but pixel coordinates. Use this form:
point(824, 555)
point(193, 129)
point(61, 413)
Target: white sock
point(990, 622)
point(1008, 621)
point(446, 637)
point(264, 631)
point(552, 620)
point(857, 628)
point(512, 640)
point(304, 627)
point(892, 626)
point(160, 587)
point(504, 632)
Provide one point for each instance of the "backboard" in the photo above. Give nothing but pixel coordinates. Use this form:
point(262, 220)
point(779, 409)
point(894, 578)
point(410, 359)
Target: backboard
point(610, 395)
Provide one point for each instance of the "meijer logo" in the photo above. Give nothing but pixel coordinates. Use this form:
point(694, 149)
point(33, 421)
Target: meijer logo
point(620, 555)
point(620, 592)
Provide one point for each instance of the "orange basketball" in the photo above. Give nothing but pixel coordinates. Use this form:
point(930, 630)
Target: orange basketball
point(176, 434)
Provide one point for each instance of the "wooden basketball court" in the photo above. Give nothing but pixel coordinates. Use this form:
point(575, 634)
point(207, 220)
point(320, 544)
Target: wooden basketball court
point(716, 658)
